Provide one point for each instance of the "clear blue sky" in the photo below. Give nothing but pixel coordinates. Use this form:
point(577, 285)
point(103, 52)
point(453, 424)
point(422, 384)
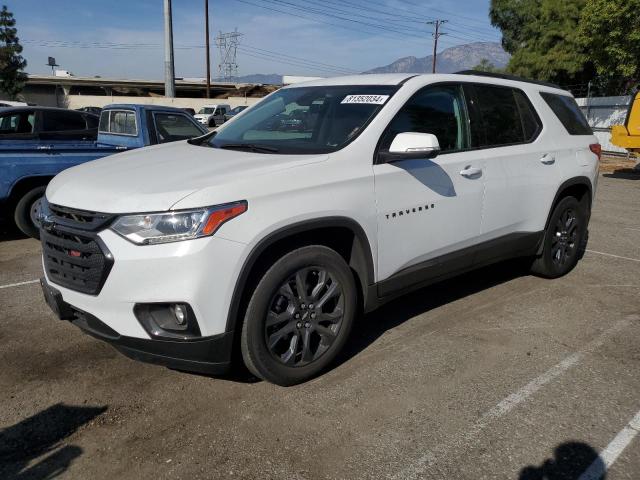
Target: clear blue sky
point(123, 38)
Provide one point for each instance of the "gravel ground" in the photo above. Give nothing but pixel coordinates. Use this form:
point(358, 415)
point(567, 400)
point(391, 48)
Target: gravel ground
point(495, 374)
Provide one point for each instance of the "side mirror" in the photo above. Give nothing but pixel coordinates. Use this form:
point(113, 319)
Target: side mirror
point(412, 145)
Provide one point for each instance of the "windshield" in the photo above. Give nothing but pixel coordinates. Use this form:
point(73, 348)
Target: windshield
point(206, 110)
point(305, 119)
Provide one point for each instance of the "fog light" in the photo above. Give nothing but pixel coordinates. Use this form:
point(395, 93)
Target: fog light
point(167, 320)
point(180, 312)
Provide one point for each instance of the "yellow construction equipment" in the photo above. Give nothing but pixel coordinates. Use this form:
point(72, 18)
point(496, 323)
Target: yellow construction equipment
point(628, 135)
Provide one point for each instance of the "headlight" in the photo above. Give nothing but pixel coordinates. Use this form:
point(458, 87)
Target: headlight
point(152, 228)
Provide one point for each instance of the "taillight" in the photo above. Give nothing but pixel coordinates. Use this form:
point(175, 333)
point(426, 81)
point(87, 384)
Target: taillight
point(597, 149)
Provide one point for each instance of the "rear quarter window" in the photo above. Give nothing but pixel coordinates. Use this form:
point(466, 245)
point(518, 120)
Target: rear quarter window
point(568, 112)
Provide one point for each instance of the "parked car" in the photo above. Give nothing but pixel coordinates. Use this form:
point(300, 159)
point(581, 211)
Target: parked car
point(190, 111)
point(94, 110)
point(38, 143)
point(274, 240)
point(234, 111)
point(212, 115)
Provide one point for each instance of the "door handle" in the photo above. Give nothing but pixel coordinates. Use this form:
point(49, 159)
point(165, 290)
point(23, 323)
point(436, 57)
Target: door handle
point(44, 147)
point(548, 159)
point(470, 172)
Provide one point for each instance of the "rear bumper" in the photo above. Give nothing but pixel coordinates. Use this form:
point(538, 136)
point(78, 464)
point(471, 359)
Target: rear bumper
point(210, 355)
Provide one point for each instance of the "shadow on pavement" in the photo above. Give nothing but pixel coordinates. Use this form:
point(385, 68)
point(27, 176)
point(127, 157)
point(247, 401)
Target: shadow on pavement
point(570, 461)
point(9, 232)
point(624, 173)
point(39, 435)
point(368, 329)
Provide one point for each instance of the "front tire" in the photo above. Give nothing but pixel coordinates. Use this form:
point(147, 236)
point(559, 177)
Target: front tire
point(27, 210)
point(564, 240)
point(299, 316)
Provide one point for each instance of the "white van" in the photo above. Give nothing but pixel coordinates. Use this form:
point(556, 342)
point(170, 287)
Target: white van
point(212, 115)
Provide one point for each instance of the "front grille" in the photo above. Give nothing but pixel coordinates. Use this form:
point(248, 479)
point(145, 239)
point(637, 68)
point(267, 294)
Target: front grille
point(74, 256)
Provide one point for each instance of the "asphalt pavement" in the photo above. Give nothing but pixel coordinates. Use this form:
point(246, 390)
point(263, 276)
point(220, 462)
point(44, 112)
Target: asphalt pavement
point(496, 374)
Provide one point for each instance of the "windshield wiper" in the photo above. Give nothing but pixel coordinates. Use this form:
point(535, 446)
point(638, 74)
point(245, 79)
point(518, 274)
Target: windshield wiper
point(249, 146)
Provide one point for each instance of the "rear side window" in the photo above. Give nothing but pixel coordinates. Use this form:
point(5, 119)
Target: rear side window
point(500, 115)
point(531, 124)
point(62, 121)
point(118, 122)
point(568, 112)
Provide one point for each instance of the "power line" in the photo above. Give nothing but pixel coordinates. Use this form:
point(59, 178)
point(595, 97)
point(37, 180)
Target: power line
point(318, 20)
point(257, 52)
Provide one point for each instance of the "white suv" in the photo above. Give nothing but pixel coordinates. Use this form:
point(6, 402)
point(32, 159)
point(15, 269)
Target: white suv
point(323, 201)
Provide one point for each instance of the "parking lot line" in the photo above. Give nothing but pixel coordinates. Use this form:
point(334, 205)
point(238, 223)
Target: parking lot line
point(18, 284)
point(416, 469)
point(614, 256)
point(611, 453)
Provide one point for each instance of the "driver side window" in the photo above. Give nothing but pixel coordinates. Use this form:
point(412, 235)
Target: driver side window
point(438, 110)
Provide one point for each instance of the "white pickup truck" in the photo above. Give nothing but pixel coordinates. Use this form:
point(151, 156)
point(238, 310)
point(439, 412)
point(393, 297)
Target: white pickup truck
point(323, 201)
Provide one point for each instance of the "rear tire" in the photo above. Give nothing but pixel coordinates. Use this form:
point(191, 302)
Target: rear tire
point(27, 210)
point(564, 240)
point(299, 316)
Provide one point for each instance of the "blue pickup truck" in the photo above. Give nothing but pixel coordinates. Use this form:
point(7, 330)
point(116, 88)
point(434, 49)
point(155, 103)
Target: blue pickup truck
point(32, 151)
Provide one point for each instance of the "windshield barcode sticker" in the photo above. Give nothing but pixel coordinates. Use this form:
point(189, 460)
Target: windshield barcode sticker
point(370, 99)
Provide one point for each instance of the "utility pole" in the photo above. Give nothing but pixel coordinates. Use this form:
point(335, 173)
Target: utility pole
point(169, 72)
point(206, 22)
point(436, 35)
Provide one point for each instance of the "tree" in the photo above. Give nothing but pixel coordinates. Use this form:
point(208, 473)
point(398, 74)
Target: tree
point(486, 66)
point(12, 64)
point(609, 31)
point(542, 37)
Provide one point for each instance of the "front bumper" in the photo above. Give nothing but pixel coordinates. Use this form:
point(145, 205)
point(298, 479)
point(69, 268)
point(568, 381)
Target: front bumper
point(198, 272)
point(211, 355)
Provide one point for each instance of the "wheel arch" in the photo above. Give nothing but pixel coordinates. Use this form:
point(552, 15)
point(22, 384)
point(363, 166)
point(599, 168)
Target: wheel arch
point(578, 187)
point(343, 234)
point(24, 185)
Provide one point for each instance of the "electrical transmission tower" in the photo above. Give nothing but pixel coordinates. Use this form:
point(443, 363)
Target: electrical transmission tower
point(436, 35)
point(227, 45)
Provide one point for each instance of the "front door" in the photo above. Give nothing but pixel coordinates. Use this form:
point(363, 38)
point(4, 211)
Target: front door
point(429, 211)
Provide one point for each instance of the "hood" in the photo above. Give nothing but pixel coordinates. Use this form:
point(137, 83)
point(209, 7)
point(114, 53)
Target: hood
point(202, 115)
point(155, 178)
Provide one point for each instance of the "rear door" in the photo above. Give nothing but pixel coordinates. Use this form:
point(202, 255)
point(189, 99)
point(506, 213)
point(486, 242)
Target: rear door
point(520, 165)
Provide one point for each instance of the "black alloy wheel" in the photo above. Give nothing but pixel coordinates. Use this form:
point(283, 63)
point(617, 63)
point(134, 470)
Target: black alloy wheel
point(564, 244)
point(299, 315)
point(564, 240)
point(304, 317)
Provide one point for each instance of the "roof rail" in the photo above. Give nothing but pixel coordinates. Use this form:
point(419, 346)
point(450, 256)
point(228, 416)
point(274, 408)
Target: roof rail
point(505, 76)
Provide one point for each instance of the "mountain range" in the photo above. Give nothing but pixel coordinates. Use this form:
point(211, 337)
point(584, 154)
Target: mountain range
point(450, 60)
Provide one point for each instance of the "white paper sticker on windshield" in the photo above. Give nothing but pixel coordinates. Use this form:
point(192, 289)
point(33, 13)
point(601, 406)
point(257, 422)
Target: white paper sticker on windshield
point(370, 99)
